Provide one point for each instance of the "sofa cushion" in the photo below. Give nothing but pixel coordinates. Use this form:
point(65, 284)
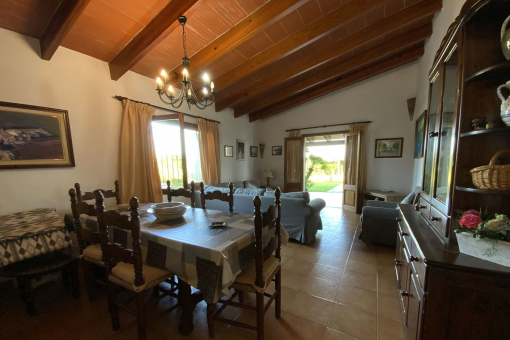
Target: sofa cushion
point(210, 188)
point(248, 185)
point(254, 182)
point(251, 192)
point(300, 194)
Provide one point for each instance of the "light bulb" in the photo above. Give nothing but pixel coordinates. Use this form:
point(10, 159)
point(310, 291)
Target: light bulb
point(159, 83)
point(212, 86)
point(205, 91)
point(184, 71)
point(189, 93)
point(185, 75)
point(206, 78)
point(170, 88)
point(163, 73)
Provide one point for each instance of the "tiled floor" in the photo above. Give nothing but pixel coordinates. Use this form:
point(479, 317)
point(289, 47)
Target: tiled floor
point(334, 288)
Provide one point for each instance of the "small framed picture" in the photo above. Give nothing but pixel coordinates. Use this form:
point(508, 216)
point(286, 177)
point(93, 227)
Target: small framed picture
point(277, 150)
point(240, 149)
point(229, 151)
point(389, 147)
point(419, 136)
point(254, 151)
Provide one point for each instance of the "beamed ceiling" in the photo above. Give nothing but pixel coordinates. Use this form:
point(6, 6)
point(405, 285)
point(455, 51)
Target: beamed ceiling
point(265, 57)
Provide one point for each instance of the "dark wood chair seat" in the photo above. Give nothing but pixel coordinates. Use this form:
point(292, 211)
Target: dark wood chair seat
point(25, 271)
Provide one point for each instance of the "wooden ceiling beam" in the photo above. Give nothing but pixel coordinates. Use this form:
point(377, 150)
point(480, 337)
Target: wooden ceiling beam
point(304, 37)
point(341, 82)
point(256, 22)
point(394, 22)
point(151, 35)
point(68, 11)
point(357, 62)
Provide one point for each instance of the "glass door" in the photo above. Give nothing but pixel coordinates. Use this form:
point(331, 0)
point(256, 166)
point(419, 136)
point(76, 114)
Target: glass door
point(446, 136)
point(432, 130)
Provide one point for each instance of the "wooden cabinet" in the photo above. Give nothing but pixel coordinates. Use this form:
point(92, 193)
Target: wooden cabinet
point(444, 294)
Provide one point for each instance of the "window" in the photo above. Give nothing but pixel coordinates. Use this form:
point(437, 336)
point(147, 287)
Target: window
point(166, 131)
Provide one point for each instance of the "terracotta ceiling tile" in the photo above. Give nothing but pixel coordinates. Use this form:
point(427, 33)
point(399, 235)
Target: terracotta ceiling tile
point(392, 7)
point(201, 29)
point(292, 22)
point(356, 24)
point(281, 64)
point(261, 41)
point(250, 6)
point(247, 49)
point(211, 19)
point(310, 12)
point(418, 23)
point(140, 11)
point(329, 5)
point(234, 57)
point(339, 33)
point(229, 10)
point(276, 32)
point(294, 57)
point(374, 15)
point(317, 45)
point(28, 17)
point(264, 72)
point(218, 67)
point(408, 3)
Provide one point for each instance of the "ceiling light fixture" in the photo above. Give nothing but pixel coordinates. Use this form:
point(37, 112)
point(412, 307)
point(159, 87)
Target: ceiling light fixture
point(187, 94)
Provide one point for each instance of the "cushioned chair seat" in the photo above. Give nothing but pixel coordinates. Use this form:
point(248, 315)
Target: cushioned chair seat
point(123, 274)
point(246, 280)
point(93, 254)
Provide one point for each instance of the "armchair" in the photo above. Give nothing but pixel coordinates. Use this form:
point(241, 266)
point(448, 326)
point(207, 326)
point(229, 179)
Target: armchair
point(379, 223)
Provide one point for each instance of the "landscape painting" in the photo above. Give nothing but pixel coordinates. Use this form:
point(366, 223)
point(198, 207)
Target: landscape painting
point(34, 137)
point(389, 147)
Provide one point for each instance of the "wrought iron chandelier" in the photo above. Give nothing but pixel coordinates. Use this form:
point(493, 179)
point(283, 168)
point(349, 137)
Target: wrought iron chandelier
point(187, 94)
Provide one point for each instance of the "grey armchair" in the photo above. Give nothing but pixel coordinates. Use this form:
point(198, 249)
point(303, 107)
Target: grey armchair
point(379, 223)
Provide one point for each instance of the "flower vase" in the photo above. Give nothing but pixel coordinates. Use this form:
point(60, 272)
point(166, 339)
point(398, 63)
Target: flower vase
point(492, 250)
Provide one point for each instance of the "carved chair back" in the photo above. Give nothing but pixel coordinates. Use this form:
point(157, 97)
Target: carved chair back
point(218, 195)
point(180, 192)
point(271, 216)
point(114, 252)
point(89, 196)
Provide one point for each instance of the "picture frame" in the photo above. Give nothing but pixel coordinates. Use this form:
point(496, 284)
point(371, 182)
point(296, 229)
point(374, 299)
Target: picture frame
point(389, 147)
point(229, 151)
point(240, 150)
point(419, 135)
point(277, 150)
point(34, 137)
point(254, 151)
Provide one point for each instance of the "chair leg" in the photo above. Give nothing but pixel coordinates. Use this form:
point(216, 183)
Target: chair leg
point(27, 295)
point(140, 311)
point(114, 309)
point(90, 283)
point(210, 320)
point(260, 316)
point(75, 281)
point(278, 302)
point(240, 293)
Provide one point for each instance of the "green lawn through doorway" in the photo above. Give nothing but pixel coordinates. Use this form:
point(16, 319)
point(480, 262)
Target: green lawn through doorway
point(323, 186)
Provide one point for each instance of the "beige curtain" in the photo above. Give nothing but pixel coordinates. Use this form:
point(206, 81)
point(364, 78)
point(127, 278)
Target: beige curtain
point(351, 159)
point(360, 128)
point(294, 158)
point(209, 139)
point(139, 175)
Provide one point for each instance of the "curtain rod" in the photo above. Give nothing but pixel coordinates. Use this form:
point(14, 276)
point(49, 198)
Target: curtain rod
point(120, 98)
point(325, 126)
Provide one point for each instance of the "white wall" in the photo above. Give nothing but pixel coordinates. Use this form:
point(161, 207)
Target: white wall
point(443, 20)
point(82, 85)
point(382, 100)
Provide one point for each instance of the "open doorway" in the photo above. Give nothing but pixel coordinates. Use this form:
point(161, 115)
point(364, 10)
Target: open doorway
point(325, 166)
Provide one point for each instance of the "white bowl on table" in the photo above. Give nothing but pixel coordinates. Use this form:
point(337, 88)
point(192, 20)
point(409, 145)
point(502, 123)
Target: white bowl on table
point(168, 211)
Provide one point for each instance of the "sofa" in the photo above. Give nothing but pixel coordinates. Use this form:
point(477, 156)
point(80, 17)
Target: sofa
point(300, 216)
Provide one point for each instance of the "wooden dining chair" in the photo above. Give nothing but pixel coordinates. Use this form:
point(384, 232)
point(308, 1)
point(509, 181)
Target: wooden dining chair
point(88, 240)
point(125, 267)
point(218, 195)
point(257, 278)
point(180, 192)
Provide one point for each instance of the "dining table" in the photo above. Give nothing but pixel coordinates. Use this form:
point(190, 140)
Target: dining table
point(204, 257)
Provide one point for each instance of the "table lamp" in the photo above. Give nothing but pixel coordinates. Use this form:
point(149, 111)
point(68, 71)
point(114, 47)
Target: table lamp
point(269, 174)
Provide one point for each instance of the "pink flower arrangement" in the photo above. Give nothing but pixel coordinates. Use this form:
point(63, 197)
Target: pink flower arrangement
point(470, 219)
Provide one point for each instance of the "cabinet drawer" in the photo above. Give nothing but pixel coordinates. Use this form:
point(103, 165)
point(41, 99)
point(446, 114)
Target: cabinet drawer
point(418, 265)
point(424, 208)
point(439, 221)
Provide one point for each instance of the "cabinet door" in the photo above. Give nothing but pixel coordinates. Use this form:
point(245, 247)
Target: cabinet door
point(414, 308)
point(398, 258)
point(404, 282)
point(446, 136)
point(432, 133)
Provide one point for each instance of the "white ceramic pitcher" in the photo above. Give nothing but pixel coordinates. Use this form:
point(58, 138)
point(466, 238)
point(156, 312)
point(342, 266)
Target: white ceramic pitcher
point(505, 104)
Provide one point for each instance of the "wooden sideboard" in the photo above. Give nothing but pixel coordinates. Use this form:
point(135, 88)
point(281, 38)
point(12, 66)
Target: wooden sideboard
point(445, 294)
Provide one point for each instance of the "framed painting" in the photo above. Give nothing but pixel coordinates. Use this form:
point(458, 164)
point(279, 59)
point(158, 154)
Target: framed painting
point(419, 135)
point(229, 151)
point(254, 151)
point(277, 150)
point(240, 150)
point(34, 137)
point(389, 147)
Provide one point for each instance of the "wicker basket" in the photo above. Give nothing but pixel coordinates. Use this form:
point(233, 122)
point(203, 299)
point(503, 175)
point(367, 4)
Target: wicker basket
point(495, 177)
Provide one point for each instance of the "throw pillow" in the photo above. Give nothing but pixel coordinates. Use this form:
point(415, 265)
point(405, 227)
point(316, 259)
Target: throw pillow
point(250, 186)
point(250, 192)
point(408, 199)
point(270, 189)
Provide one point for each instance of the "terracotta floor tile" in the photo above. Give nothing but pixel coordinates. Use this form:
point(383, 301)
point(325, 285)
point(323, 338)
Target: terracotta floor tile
point(333, 260)
point(354, 322)
point(361, 267)
point(292, 279)
point(299, 266)
point(321, 288)
point(288, 295)
point(308, 255)
point(331, 334)
point(385, 286)
point(389, 307)
point(295, 328)
point(311, 308)
point(357, 298)
point(359, 280)
point(327, 272)
point(388, 329)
